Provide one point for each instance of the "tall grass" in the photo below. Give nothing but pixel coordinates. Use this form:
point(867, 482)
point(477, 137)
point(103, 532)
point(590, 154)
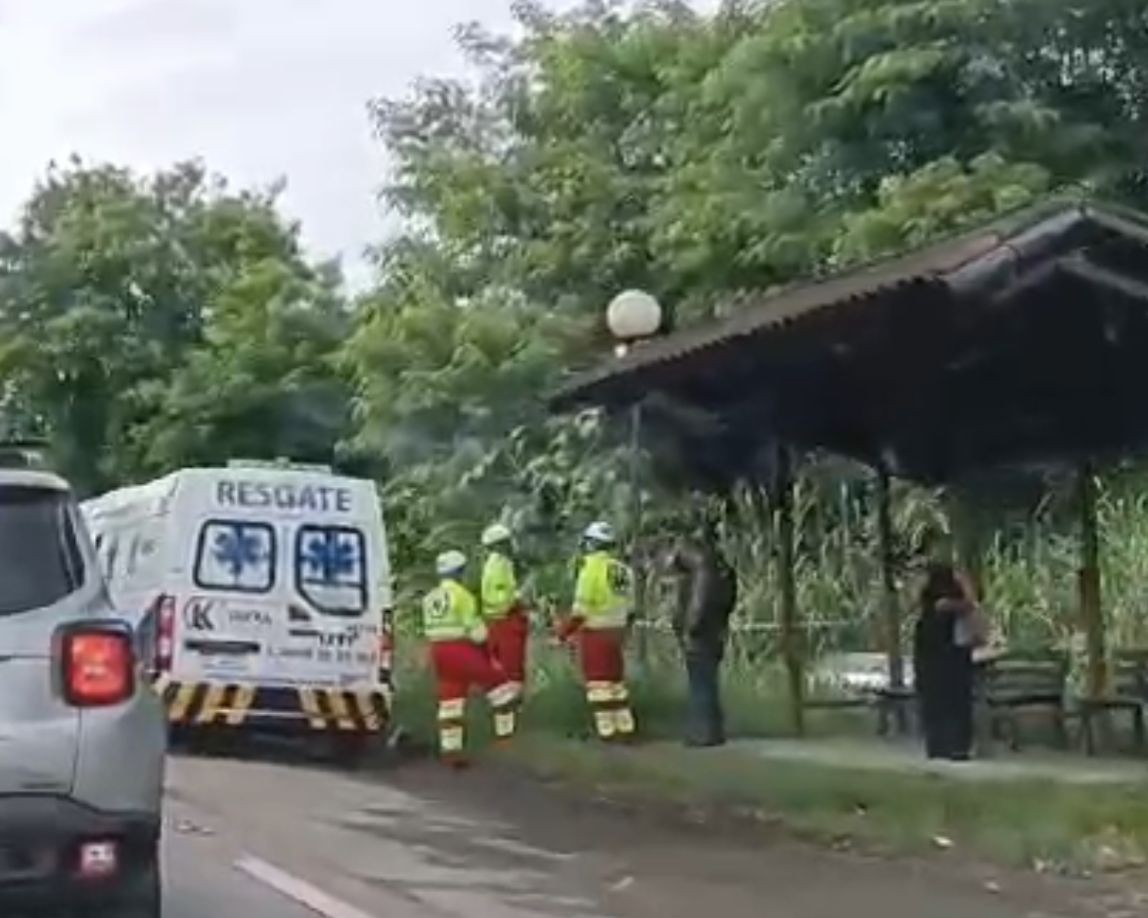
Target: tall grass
point(1028, 565)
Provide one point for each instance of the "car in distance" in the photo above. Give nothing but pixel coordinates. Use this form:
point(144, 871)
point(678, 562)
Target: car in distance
point(82, 735)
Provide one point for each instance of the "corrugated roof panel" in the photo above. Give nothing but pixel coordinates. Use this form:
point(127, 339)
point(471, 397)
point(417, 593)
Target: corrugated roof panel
point(968, 260)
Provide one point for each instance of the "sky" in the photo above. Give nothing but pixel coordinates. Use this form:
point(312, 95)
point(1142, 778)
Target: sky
point(258, 89)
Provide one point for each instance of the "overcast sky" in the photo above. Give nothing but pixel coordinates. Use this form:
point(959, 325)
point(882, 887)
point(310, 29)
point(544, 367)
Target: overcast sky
point(257, 88)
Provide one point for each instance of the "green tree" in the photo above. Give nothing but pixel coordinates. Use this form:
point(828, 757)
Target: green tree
point(263, 381)
point(647, 145)
point(644, 144)
point(116, 294)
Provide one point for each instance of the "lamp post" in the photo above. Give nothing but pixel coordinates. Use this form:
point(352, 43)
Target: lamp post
point(632, 317)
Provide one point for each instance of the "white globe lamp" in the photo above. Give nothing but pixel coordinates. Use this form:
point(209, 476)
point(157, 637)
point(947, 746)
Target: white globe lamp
point(633, 315)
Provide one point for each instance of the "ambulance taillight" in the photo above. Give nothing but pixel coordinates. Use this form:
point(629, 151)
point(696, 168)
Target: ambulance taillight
point(387, 646)
point(165, 633)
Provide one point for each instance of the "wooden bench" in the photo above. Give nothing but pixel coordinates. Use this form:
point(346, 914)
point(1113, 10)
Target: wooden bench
point(1015, 684)
point(821, 697)
point(896, 707)
point(1128, 693)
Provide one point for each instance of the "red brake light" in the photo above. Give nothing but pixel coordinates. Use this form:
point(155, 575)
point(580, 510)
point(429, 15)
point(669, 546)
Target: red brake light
point(165, 633)
point(98, 668)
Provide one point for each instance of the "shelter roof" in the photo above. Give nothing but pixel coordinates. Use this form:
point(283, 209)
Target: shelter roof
point(1024, 339)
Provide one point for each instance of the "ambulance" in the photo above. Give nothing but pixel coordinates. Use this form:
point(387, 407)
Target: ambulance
point(261, 594)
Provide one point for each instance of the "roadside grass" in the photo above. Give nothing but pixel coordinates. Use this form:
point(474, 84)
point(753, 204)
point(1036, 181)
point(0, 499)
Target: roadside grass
point(1041, 824)
point(1034, 824)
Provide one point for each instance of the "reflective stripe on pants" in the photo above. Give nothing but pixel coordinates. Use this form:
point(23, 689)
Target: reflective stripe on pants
point(460, 667)
point(603, 669)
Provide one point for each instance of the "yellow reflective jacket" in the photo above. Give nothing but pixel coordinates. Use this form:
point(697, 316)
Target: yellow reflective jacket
point(604, 593)
point(499, 586)
point(450, 613)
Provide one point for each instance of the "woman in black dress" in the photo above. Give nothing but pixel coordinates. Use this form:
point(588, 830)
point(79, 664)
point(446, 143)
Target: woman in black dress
point(949, 628)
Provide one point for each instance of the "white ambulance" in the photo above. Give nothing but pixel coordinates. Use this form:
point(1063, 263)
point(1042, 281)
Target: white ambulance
point(261, 593)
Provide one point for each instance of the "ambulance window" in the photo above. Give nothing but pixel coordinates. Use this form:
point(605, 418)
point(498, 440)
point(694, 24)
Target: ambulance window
point(331, 569)
point(234, 555)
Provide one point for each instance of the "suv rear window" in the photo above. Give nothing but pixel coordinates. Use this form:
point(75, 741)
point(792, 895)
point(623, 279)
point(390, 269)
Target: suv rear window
point(40, 560)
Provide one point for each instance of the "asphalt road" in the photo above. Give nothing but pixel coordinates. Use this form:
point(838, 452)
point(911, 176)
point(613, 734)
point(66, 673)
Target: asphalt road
point(256, 840)
point(203, 880)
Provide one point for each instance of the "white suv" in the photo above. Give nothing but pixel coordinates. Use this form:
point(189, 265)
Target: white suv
point(82, 735)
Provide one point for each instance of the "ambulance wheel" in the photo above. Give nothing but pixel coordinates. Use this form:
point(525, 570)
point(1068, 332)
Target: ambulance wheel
point(351, 750)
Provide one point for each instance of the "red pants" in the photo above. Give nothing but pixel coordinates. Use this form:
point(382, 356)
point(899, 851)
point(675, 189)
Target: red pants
point(604, 669)
point(461, 666)
point(508, 637)
point(601, 654)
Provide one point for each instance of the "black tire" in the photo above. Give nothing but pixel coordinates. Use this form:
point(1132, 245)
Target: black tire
point(352, 751)
point(142, 898)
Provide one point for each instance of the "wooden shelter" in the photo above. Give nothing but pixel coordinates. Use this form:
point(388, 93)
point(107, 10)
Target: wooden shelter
point(1025, 340)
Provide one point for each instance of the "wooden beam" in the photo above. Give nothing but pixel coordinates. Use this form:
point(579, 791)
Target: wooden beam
point(1091, 608)
point(1080, 267)
point(636, 558)
point(791, 643)
point(966, 520)
point(891, 603)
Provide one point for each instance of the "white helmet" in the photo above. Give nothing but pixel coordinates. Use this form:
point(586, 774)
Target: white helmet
point(450, 562)
point(599, 533)
point(495, 534)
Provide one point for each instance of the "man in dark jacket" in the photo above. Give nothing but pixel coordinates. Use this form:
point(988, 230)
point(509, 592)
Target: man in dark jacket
point(706, 595)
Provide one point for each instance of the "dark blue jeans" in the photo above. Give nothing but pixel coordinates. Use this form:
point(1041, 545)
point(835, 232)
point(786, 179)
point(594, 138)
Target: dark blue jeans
point(704, 724)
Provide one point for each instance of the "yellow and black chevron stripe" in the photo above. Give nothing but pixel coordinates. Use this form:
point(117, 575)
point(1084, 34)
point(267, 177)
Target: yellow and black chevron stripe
point(197, 704)
point(335, 709)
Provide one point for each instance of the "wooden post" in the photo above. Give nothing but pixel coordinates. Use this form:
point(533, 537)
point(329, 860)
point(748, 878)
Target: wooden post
point(791, 643)
point(636, 560)
point(967, 525)
point(1091, 610)
point(891, 605)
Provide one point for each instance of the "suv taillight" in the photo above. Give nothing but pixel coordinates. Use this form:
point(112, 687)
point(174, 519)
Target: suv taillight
point(165, 633)
point(98, 667)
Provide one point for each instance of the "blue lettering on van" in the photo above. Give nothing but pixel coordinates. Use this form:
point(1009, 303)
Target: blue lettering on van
point(262, 495)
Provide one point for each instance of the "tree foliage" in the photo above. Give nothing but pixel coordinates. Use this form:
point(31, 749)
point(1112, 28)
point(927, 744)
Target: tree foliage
point(160, 320)
point(147, 322)
point(646, 145)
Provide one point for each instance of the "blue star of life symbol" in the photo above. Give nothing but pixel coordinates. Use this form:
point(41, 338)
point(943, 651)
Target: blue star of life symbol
point(331, 557)
point(237, 548)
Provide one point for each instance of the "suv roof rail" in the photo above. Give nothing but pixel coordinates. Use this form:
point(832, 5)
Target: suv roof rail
point(280, 463)
point(23, 454)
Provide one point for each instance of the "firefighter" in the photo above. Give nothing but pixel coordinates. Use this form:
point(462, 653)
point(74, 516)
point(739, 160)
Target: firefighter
point(603, 601)
point(502, 605)
point(458, 649)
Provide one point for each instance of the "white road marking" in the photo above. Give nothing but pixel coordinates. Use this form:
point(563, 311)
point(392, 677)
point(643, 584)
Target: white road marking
point(297, 890)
